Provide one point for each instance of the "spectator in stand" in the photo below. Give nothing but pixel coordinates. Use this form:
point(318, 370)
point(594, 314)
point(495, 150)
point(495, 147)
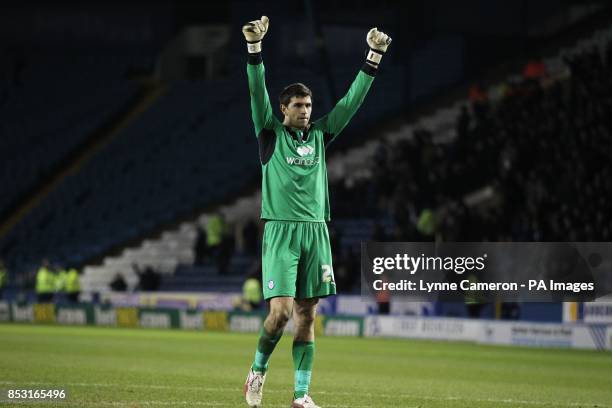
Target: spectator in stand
point(118, 284)
point(149, 280)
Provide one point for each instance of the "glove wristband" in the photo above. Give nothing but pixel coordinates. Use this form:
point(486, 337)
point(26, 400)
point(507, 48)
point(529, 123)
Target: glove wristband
point(374, 56)
point(254, 47)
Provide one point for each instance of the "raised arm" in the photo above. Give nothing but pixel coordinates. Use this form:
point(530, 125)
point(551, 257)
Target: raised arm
point(341, 114)
point(261, 109)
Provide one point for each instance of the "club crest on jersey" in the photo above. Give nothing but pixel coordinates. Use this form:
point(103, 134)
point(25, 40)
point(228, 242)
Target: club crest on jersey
point(305, 150)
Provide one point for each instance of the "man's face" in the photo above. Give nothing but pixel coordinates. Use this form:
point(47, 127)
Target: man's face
point(297, 113)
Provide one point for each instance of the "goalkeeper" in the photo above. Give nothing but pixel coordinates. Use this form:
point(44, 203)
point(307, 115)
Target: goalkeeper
point(296, 255)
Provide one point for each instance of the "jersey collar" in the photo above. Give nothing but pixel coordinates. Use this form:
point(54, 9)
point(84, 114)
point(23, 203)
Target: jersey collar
point(294, 133)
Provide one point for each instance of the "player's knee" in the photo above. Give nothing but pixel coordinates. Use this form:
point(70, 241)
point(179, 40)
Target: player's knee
point(279, 317)
point(306, 318)
point(304, 327)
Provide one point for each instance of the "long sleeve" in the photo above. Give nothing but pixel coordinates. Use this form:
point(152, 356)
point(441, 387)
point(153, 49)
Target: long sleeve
point(333, 123)
point(261, 109)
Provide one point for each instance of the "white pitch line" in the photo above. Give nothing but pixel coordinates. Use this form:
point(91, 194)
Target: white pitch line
point(331, 392)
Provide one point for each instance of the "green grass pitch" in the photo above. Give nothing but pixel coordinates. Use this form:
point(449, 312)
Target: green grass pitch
point(113, 367)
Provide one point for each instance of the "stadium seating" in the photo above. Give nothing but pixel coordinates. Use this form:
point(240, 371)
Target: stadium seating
point(45, 116)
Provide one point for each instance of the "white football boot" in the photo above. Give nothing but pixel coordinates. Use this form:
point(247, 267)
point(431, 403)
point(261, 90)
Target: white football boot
point(304, 402)
point(253, 388)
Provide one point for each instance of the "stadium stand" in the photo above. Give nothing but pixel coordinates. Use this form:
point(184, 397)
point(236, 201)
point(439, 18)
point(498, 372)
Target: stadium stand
point(44, 102)
point(506, 149)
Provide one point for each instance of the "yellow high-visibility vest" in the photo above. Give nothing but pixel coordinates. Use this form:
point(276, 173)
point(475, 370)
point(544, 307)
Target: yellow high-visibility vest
point(45, 281)
point(72, 282)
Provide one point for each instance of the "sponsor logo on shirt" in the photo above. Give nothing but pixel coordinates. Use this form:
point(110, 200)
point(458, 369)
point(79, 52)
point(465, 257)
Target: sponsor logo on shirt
point(301, 161)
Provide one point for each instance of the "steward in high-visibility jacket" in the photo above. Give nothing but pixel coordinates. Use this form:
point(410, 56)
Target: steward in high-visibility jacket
point(45, 285)
point(72, 285)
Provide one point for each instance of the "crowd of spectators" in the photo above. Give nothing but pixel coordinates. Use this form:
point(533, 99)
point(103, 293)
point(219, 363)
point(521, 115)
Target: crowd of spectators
point(542, 144)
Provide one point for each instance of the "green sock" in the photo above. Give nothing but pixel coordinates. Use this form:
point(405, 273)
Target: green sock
point(303, 358)
point(265, 347)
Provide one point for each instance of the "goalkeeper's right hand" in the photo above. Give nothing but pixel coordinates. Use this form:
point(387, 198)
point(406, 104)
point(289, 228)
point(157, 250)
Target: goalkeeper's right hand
point(254, 31)
point(378, 43)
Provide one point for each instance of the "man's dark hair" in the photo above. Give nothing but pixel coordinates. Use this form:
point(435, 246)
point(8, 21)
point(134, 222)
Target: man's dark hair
point(297, 89)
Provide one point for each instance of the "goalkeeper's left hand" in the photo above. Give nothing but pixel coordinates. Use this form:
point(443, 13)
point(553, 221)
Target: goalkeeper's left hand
point(378, 43)
point(377, 40)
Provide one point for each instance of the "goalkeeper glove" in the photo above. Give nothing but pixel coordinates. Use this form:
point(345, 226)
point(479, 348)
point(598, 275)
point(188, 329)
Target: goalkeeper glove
point(254, 31)
point(378, 43)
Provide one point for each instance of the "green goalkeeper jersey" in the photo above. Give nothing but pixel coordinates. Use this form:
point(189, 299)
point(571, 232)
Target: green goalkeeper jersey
point(294, 173)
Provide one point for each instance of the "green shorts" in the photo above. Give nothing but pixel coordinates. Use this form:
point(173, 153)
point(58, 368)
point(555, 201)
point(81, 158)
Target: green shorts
point(297, 260)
